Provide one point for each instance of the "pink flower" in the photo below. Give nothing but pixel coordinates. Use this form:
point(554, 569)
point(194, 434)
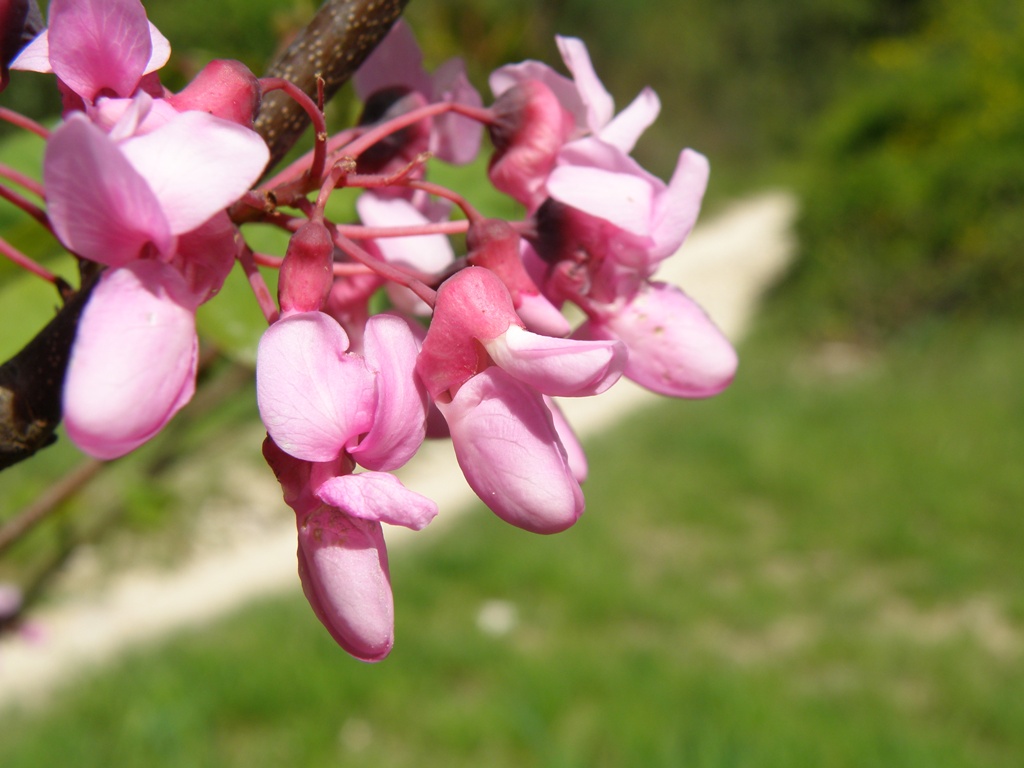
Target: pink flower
point(97, 47)
point(326, 408)
point(151, 208)
point(538, 110)
point(396, 68)
point(604, 232)
point(488, 376)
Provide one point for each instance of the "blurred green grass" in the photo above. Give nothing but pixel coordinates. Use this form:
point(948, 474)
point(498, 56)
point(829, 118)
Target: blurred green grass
point(820, 567)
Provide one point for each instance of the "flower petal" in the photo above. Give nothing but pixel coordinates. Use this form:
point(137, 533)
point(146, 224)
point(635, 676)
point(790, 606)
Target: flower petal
point(399, 422)
point(312, 397)
point(378, 496)
point(555, 366)
point(508, 448)
point(133, 364)
point(674, 348)
point(99, 205)
point(197, 165)
point(627, 126)
point(343, 567)
point(598, 102)
point(99, 45)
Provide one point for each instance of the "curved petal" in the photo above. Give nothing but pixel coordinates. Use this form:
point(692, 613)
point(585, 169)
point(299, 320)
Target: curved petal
point(99, 205)
point(627, 126)
point(35, 57)
point(99, 45)
point(623, 199)
point(426, 253)
point(197, 165)
point(312, 397)
point(378, 496)
point(508, 448)
point(675, 211)
point(455, 139)
point(343, 567)
point(573, 448)
point(598, 102)
point(399, 422)
point(674, 348)
point(558, 367)
point(133, 364)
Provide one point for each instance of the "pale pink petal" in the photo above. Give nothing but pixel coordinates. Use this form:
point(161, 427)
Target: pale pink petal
point(197, 165)
point(509, 76)
point(426, 253)
point(161, 50)
point(99, 46)
point(35, 57)
point(206, 255)
point(675, 211)
point(508, 448)
point(555, 366)
point(133, 364)
point(541, 316)
point(396, 61)
point(343, 567)
point(674, 348)
point(399, 423)
point(599, 103)
point(627, 126)
point(573, 449)
point(455, 139)
point(620, 199)
point(378, 496)
point(99, 205)
point(312, 397)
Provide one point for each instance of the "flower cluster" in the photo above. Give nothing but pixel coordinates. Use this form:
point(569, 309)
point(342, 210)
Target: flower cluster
point(154, 185)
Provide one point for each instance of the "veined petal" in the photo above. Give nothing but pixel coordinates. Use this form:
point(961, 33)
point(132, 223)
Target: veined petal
point(99, 205)
point(399, 422)
point(674, 348)
point(197, 165)
point(508, 448)
point(312, 397)
point(133, 364)
point(343, 567)
point(556, 366)
point(378, 496)
point(99, 45)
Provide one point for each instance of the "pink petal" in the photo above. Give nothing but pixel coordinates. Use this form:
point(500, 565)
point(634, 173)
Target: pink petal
point(161, 50)
point(397, 60)
point(674, 348)
point(378, 496)
point(98, 46)
point(455, 139)
point(35, 57)
point(598, 102)
point(197, 165)
point(133, 364)
point(99, 205)
point(627, 126)
point(508, 448)
point(312, 397)
point(426, 253)
point(623, 200)
point(399, 423)
point(343, 567)
point(573, 448)
point(675, 211)
point(555, 366)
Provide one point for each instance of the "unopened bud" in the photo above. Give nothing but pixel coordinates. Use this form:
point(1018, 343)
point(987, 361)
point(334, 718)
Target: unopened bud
point(306, 274)
point(224, 88)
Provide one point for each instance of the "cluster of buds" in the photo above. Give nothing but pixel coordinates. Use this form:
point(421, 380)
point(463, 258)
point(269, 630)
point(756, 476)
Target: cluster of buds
point(154, 185)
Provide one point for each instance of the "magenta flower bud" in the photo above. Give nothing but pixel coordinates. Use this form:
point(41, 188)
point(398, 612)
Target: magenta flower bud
point(530, 128)
point(306, 274)
point(224, 88)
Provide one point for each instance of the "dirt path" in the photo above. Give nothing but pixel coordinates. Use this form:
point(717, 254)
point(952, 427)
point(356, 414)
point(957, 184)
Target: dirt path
point(726, 264)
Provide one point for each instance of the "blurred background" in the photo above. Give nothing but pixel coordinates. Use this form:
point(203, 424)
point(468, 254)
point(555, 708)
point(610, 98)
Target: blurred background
point(820, 567)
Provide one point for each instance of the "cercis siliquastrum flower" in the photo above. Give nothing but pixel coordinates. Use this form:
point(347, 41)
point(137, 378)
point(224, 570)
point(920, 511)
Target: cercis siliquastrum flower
point(150, 189)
